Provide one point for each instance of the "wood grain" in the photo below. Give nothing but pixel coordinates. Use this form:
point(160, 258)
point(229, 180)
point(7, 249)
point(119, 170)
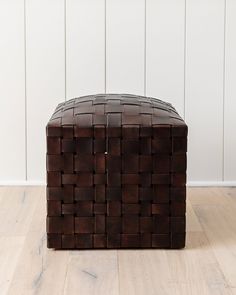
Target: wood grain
point(206, 266)
point(10, 248)
point(92, 272)
point(16, 221)
point(219, 224)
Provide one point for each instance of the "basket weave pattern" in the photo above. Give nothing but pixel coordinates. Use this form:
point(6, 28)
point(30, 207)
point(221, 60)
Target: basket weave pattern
point(116, 174)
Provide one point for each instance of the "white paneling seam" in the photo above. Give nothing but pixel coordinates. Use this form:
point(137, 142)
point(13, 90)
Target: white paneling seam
point(145, 48)
point(26, 119)
point(65, 65)
point(223, 106)
point(185, 30)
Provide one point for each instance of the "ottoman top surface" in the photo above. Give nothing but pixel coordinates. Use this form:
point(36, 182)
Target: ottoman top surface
point(115, 110)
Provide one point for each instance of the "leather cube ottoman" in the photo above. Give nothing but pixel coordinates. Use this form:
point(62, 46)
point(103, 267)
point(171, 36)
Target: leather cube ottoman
point(116, 174)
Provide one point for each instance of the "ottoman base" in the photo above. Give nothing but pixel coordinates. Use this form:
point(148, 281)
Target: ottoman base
point(122, 241)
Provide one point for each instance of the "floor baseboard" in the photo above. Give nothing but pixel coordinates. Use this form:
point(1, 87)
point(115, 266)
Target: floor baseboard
point(189, 184)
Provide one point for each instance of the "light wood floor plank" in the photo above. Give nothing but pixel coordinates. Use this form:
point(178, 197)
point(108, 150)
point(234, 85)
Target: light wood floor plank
point(3, 190)
point(17, 207)
point(192, 222)
point(39, 270)
point(219, 224)
point(92, 272)
point(206, 266)
point(144, 272)
point(195, 268)
point(205, 195)
point(10, 249)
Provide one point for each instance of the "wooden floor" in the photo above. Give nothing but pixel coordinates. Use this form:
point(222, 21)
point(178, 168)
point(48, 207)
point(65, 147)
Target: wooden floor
point(206, 266)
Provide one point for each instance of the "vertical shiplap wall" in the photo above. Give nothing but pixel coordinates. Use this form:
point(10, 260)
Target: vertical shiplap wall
point(182, 51)
point(165, 49)
point(230, 92)
point(12, 91)
point(45, 76)
point(204, 88)
point(85, 47)
point(125, 45)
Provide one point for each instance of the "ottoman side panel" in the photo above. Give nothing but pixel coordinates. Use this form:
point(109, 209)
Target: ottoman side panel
point(54, 190)
point(161, 143)
point(60, 181)
point(178, 186)
point(90, 166)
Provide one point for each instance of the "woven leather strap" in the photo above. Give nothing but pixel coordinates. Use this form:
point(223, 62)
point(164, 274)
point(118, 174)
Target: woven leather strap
point(116, 173)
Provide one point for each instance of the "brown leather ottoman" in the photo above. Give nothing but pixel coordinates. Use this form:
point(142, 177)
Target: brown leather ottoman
point(116, 174)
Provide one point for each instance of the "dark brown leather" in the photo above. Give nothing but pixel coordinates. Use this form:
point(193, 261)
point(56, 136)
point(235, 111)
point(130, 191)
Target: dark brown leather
point(116, 173)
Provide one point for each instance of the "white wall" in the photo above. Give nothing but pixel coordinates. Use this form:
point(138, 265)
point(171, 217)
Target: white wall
point(182, 51)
